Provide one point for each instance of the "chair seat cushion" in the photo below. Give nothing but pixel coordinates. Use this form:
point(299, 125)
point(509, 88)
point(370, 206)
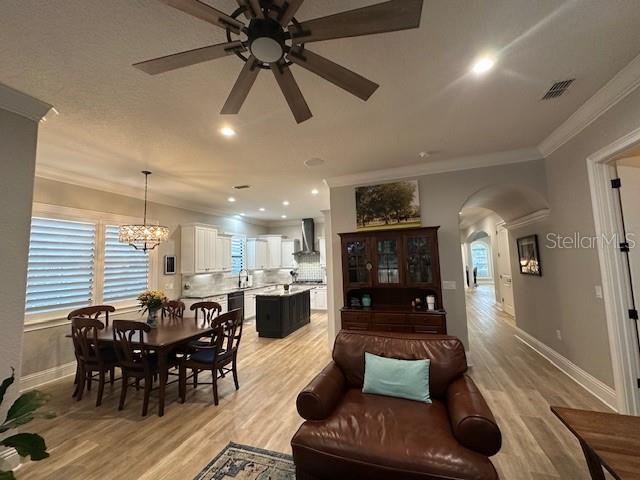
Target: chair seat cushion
point(205, 356)
point(377, 438)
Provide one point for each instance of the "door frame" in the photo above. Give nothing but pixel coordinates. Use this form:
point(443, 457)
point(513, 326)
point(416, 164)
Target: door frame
point(615, 280)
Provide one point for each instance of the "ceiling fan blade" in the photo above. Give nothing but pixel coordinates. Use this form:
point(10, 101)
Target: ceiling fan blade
point(188, 58)
point(253, 8)
point(207, 13)
point(286, 11)
point(338, 75)
point(241, 89)
point(291, 92)
point(384, 17)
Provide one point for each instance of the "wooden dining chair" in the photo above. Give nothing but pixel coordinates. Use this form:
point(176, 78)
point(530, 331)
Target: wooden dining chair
point(219, 357)
point(206, 313)
point(134, 358)
point(96, 312)
point(91, 358)
point(173, 309)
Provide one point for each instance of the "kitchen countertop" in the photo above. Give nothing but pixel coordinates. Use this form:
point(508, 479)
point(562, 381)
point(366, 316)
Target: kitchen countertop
point(280, 292)
point(226, 291)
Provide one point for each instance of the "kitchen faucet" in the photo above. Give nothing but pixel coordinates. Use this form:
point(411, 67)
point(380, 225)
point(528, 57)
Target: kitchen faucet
point(240, 277)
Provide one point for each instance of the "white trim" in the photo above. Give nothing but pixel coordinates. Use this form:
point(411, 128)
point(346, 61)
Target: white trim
point(615, 282)
point(437, 166)
point(9, 459)
point(64, 176)
point(38, 379)
point(591, 384)
point(55, 320)
point(529, 219)
point(621, 85)
point(22, 104)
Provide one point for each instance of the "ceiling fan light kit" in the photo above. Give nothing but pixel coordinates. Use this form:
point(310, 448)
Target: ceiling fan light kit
point(274, 40)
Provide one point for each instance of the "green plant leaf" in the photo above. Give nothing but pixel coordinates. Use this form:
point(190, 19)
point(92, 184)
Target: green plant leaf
point(7, 475)
point(21, 411)
point(27, 445)
point(6, 383)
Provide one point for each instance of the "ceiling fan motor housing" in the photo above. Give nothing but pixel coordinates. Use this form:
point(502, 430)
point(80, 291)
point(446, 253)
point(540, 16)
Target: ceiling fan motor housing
point(266, 40)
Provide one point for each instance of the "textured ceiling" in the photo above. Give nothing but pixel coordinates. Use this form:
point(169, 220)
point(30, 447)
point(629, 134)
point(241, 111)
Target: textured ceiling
point(114, 120)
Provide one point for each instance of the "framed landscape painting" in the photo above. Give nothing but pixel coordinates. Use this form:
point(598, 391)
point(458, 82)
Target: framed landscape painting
point(390, 205)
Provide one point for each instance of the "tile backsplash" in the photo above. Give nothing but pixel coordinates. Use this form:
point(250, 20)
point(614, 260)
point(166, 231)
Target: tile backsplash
point(309, 268)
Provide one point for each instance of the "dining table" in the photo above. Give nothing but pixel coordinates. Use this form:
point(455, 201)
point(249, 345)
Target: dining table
point(166, 336)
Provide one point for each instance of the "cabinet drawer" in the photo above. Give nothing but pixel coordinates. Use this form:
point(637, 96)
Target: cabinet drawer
point(392, 327)
point(389, 318)
point(427, 329)
point(357, 317)
point(426, 319)
point(346, 325)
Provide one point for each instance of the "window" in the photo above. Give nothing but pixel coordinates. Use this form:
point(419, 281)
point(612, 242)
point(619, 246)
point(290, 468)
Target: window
point(76, 260)
point(238, 247)
point(480, 257)
point(61, 265)
point(126, 270)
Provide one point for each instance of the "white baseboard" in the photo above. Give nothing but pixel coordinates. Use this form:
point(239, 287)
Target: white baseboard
point(591, 384)
point(34, 380)
point(9, 459)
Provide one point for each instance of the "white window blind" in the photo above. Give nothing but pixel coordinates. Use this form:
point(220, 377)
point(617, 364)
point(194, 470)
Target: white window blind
point(60, 271)
point(237, 253)
point(126, 270)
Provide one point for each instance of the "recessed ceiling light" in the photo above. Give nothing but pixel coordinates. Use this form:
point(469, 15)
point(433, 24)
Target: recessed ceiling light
point(237, 216)
point(286, 203)
point(283, 216)
point(315, 191)
point(231, 199)
point(483, 65)
point(242, 214)
point(262, 209)
point(227, 131)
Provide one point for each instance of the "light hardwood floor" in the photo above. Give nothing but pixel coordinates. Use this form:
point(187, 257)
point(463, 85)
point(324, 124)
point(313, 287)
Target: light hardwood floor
point(101, 443)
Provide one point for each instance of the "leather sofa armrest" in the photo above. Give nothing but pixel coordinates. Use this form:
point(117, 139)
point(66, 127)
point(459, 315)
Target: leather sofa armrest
point(472, 422)
point(318, 399)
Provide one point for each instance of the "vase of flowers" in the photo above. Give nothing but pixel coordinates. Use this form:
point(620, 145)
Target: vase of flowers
point(151, 302)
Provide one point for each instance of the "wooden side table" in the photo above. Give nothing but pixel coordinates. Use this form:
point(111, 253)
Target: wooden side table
point(608, 440)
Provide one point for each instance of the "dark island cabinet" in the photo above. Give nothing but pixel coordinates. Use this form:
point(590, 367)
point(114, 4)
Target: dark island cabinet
point(384, 272)
point(279, 315)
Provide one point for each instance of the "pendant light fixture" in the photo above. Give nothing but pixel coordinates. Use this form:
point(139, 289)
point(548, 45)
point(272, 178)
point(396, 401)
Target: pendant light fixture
point(144, 237)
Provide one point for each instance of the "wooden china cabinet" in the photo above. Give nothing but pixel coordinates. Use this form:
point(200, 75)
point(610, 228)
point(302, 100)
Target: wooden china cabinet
point(392, 268)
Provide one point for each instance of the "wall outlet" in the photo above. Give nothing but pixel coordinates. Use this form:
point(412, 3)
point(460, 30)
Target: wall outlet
point(559, 335)
point(598, 291)
point(449, 285)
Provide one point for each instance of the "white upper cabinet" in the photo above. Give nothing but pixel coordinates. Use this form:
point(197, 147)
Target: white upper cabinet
point(288, 247)
point(257, 254)
point(322, 247)
point(274, 250)
point(198, 249)
point(223, 253)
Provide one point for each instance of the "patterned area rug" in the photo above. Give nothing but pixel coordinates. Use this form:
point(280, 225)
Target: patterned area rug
point(240, 462)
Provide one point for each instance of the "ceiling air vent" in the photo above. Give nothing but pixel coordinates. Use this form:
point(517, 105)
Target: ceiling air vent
point(242, 187)
point(557, 89)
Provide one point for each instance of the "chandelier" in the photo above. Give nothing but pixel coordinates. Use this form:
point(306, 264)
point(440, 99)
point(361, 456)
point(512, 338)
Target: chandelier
point(144, 237)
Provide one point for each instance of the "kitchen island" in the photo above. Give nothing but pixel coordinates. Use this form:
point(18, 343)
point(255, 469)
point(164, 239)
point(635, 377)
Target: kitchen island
point(279, 313)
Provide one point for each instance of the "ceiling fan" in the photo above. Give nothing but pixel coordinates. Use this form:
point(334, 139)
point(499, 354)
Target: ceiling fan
point(274, 40)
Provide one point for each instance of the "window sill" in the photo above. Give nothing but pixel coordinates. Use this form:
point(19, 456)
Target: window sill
point(57, 319)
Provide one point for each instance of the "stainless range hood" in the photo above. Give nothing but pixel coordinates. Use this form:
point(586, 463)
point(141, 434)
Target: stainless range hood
point(308, 237)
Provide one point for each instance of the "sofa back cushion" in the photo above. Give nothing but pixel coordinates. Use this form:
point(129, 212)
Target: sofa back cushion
point(448, 360)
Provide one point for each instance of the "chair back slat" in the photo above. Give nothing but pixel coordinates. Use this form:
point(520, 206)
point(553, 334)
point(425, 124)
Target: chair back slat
point(173, 309)
point(94, 312)
point(209, 311)
point(232, 330)
point(129, 342)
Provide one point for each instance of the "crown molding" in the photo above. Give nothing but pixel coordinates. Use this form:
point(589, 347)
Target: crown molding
point(529, 219)
point(438, 166)
point(22, 104)
point(100, 184)
point(293, 222)
point(616, 89)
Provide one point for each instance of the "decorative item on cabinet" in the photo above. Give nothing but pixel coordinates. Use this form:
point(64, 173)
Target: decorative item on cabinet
point(391, 281)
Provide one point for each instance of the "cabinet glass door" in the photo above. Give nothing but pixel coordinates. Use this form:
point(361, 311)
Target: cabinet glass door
point(388, 261)
point(419, 260)
point(357, 262)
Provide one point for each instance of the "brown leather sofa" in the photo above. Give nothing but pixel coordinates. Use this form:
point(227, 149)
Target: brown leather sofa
point(351, 435)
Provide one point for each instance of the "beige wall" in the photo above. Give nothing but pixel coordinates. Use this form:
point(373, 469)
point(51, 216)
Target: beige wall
point(441, 198)
point(46, 348)
point(18, 140)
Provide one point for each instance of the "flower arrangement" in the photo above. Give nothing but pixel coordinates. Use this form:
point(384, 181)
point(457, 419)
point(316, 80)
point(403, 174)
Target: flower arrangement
point(151, 300)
